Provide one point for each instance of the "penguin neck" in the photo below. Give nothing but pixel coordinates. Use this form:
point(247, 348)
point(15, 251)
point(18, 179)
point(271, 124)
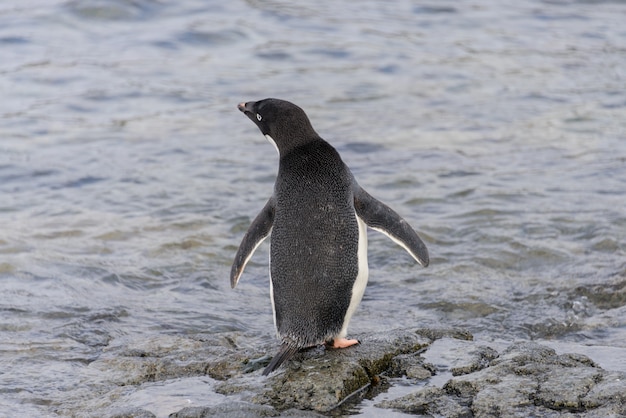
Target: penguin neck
point(313, 153)
point(294, 144)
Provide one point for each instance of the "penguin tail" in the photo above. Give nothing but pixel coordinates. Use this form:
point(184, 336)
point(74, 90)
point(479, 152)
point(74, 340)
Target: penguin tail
point(285, 353)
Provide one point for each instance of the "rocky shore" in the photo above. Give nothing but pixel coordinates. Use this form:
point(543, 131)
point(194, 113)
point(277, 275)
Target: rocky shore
point(521, 380)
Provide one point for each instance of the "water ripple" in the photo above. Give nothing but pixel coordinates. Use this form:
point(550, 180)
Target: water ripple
point(128, 177)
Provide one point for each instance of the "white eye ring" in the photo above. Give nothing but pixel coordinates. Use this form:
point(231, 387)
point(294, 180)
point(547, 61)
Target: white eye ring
point(258, 117)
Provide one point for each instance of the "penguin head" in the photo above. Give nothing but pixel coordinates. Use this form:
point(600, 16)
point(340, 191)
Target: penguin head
point(282, 122)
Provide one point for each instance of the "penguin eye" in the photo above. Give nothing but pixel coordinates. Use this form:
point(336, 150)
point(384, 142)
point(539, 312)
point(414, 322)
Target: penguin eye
point(258, 117)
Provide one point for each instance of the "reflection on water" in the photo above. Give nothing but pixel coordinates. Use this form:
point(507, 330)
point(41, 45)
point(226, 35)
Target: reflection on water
point(128, 177)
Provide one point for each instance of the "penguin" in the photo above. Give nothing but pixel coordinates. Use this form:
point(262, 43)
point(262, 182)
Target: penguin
point(317, 218)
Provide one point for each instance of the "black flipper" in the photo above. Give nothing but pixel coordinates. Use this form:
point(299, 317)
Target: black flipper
point(382, 218)
point(258, 231)
point(285, 353)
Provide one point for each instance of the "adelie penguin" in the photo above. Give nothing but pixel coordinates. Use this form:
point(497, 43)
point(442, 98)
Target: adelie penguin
point(317, 218)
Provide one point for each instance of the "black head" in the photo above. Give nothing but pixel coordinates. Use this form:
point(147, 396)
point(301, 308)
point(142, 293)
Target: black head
point(285, 123)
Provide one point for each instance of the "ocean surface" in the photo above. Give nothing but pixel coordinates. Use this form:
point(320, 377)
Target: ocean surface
point(128, 176)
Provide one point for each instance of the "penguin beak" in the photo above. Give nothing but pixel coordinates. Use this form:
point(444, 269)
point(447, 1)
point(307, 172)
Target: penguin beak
point(245, 107)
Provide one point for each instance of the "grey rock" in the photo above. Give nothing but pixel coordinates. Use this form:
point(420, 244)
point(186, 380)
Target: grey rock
point(133, 413)
point(169, 357)
point(476, 359)
point(610, 390)
point(565, 391)
point(469, 380)
point(429, 401)
point(410, 365)
point(227, 410)
point(324, 380)
point(527, 379)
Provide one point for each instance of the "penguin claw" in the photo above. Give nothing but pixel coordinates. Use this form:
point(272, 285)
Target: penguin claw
point(342, 343)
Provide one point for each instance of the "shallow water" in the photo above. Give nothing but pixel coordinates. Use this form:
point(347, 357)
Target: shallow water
point(128, 177)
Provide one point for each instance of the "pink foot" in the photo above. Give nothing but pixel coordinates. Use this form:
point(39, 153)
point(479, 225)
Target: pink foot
point(343, 343)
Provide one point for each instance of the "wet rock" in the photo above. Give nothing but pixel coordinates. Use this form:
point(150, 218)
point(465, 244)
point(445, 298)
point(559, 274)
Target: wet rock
point(318, 380)
point(323, 380)
point(134, 413)
point(167, 357)
point(429, 401)
point(475, 359)
point(411, 366)
point(461, 356)
point(527, 379)
point(608, 395)
point(240, 410)
point(229, 409)
point(566, 392)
